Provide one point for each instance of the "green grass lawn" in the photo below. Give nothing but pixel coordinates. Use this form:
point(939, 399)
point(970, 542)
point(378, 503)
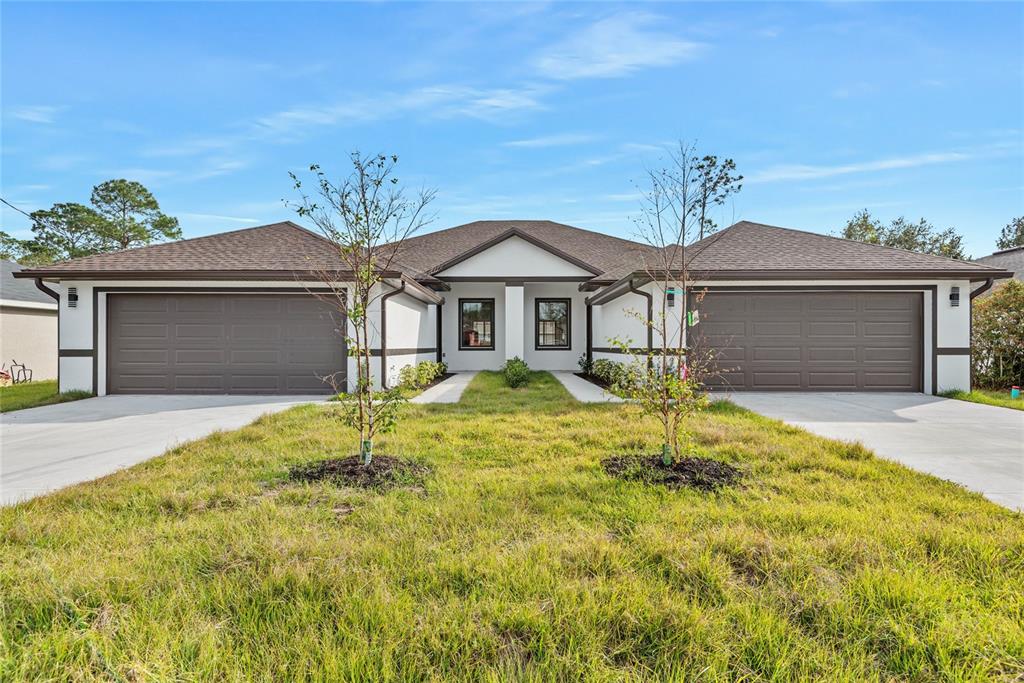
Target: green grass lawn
point(33, 394)
point(519, 559)
point(988, 397)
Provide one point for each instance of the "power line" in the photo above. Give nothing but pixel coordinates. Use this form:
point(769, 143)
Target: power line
point(15, 208)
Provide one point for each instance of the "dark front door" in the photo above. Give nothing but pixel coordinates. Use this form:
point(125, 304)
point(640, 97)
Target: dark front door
point(814, 341)
point(222, 344)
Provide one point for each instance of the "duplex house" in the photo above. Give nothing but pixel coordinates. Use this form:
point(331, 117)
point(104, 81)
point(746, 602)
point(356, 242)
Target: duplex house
point(245, 311)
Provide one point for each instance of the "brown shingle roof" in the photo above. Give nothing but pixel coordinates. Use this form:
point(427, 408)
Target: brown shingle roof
point(279, 247)
point(748, 246)
point(743, 250)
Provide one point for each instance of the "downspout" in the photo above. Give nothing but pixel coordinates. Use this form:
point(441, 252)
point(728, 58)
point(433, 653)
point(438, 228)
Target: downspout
point(650, 318)
point(980, 290)
point(46, 290)
point(384, 334)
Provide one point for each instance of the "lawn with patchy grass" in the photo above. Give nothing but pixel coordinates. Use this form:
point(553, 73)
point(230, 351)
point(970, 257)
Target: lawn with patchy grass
point(988, 397)
point(34, 394)
point(519, 557)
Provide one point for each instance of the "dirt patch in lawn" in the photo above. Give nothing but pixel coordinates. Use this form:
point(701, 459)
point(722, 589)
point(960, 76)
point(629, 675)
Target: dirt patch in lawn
point(703, 474)
point(384, 472)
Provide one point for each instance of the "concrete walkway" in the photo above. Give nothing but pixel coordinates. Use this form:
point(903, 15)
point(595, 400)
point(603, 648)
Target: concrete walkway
point(448, 391)
point(584, 391)
point(47, 448)
point(978, 446)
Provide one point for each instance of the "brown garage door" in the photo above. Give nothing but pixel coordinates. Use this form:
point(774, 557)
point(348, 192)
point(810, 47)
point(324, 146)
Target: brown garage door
point(825, 341)
point(221, 344)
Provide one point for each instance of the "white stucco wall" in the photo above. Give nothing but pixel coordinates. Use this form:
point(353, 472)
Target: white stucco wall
point(512, 258)
point(624, 319)
point(411, 324)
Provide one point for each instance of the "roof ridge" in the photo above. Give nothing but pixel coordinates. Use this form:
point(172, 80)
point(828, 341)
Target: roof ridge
point(515, 221)
point(869, 244)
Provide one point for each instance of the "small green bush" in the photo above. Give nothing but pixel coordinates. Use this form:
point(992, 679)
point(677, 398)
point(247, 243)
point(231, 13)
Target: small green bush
point(420, 375)
point(517, 372)
point(613, 373)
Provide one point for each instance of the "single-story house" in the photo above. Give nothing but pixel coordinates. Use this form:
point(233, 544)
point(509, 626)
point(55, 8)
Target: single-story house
point(1010, 260)
point(28, 324)
point(246, 312)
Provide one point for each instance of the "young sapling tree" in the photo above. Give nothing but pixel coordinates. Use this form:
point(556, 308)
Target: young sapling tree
point(367, 215)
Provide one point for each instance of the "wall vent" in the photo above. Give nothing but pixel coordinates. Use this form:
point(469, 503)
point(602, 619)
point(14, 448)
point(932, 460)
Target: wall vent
point(72, 297)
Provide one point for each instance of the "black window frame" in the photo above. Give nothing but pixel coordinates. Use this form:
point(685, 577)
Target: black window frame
point(537, 321)
point(463, 347)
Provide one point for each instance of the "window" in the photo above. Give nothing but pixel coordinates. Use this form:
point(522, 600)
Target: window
point(476, 324)
point(552, 316)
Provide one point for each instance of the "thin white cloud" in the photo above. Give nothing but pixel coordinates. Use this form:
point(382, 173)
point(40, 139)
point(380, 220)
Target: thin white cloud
point(60, 162)
point(36, 113)
point(615, 46)
point(624, 197)
point(439, 101)
point(561, 140)
point(809, 172)
point(215, 217)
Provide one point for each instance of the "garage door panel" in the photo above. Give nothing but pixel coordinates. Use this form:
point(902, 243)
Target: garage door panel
point(831, 354)
point(775, 304)
point(874, 328)
point(221, 343)
point(840, 341)
point(143, 331)
point(776, 380)
point(835, 380)
point(199, 356)
point(887, 380)
point(259, 305)
point(832, 303)
point(783, 353)
point(196, 304)
point(832, 328)
point(785, 328)
point(895, 354)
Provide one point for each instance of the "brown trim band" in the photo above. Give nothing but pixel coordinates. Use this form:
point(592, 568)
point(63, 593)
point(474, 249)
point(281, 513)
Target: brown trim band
point(76, 353)
point(611, 349)
point(953, 351)
point(518, 280)
point(403, 352)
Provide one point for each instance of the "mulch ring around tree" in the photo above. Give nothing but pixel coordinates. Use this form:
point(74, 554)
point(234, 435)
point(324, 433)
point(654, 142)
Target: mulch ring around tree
point(384, 472)
point(703, 474)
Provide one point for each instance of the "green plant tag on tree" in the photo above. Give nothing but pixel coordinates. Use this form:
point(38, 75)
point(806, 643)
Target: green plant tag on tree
point(666, 454)
point(366, 452)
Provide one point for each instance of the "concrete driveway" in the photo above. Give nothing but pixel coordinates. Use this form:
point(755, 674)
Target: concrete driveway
point(978, 446)
point(47, 448)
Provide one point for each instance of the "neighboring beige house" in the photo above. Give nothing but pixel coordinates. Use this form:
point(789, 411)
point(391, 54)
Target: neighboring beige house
point(28, 325)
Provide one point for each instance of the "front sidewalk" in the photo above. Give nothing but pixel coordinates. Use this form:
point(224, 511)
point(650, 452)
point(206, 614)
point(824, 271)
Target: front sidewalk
point(582, 390)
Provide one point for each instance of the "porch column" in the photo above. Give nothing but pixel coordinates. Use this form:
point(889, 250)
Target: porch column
point(514, 320)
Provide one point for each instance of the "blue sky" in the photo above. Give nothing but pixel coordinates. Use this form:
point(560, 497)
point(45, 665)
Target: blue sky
point(522, 110)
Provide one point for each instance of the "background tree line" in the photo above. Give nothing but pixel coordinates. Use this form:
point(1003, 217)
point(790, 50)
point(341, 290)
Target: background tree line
point(921, 236)
point(122, 214)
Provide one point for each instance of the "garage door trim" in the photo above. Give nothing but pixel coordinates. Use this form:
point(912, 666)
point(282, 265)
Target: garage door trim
point(710, 289)
point(96, 291)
